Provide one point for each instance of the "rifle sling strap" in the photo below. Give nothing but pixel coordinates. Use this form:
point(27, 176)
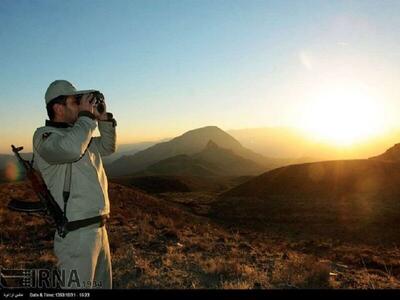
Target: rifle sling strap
point(67, 187)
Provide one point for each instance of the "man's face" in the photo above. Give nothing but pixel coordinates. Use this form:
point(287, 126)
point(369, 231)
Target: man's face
point(70, 110)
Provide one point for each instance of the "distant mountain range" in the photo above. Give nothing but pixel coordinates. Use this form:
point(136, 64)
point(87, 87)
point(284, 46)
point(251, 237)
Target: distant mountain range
point(190, 151)
point(211, 161)
point(189, 155)
point(207, 151)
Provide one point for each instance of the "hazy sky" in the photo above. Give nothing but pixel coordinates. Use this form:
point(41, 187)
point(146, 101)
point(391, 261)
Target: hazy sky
point(166, 67)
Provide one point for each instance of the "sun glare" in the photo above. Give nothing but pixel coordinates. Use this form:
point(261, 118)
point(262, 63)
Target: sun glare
point(343, 115)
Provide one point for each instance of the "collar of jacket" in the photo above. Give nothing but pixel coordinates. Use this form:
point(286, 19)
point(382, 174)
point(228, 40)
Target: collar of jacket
point(58, 124)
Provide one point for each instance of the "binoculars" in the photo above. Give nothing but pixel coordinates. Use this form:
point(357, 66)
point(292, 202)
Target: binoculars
point(98, 100)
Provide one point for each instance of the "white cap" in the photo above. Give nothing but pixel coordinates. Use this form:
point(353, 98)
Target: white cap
point(62, 88)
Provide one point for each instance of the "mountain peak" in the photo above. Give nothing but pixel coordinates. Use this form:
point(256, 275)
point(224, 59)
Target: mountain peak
point(199, 137)
point(211, 145)
point(209, 139)
point(206, 130)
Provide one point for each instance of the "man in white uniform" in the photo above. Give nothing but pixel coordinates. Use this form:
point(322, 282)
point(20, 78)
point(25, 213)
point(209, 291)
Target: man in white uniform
point(69, 159)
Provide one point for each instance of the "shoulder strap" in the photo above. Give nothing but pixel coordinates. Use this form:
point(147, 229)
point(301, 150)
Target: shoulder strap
point(67, 187)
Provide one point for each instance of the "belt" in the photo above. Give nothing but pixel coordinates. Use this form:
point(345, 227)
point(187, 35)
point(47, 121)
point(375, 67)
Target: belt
point(74, 225)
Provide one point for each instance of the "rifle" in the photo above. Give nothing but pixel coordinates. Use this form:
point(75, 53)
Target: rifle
point(50, 205)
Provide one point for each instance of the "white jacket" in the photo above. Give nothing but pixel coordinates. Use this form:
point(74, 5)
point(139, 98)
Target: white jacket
point(57, 145)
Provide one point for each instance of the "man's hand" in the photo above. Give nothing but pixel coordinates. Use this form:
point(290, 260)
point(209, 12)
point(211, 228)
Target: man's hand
point(85, 104)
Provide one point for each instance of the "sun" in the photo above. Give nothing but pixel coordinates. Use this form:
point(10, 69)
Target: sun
point(343, 115)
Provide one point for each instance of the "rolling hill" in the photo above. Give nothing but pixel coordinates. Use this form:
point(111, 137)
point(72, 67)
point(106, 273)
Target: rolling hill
point(180, 184)
point(392, 154)
point(356, 197)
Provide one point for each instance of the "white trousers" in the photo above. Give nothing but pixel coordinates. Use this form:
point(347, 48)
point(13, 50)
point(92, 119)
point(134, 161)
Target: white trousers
point(84, 259)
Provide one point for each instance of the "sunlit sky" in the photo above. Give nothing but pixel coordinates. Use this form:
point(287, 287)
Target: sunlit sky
point(330, 68)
